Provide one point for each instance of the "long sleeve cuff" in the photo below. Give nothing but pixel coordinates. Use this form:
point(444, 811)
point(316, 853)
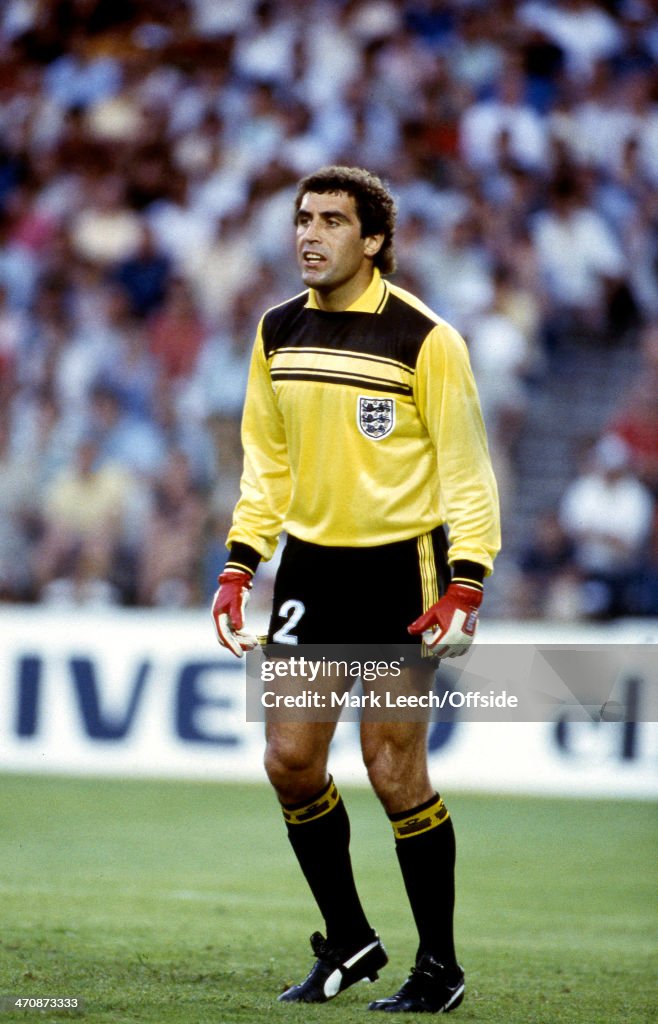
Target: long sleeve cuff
point(471, 574)
point(243, 558)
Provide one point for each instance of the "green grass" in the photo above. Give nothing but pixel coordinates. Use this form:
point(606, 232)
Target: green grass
point(179, 902)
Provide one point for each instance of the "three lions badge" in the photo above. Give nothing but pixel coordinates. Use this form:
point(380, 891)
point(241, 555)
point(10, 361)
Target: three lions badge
point(375, 417)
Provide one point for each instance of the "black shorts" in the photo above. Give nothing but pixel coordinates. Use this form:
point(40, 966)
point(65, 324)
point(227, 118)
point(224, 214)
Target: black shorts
point(339, 595)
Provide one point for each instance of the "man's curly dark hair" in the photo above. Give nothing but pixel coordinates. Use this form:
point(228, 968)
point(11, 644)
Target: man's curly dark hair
point(375, 205)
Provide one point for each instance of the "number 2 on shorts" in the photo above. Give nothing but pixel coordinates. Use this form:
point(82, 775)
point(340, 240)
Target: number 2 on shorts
point(292, 610)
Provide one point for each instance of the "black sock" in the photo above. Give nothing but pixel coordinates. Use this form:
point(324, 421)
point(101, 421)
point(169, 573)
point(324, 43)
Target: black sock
point(425, 845)
point(319, 832)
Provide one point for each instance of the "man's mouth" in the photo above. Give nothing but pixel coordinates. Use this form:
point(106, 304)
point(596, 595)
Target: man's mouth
point(312, 259)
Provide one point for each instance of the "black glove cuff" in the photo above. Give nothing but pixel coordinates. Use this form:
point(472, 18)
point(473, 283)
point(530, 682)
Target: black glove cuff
point(471, 574)
point(243, 558)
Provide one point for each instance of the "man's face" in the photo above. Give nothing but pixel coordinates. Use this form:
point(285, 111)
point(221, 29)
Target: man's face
point(333, 258)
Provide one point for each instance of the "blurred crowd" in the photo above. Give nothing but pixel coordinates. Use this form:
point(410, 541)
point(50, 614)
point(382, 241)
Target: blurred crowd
point(149, 151)
point(595, 556)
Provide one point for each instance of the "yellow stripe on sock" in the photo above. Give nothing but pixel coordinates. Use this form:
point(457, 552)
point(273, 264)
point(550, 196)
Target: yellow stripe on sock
point(421, 821)
point(314, 809)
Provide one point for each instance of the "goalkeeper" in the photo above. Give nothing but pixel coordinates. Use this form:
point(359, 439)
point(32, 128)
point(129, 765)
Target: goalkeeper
point(363, 440)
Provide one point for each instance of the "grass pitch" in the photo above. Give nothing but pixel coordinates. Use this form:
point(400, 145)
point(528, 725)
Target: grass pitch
point(179, 903)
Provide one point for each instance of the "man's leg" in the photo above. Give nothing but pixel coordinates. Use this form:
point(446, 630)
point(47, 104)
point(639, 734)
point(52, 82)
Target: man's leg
point(395, 754)
point(319, 832)
point(317, 822)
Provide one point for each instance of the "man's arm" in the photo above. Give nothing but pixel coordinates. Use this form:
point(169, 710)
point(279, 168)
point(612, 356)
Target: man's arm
point(448, 402)
point(265, 482)
point(259, 514)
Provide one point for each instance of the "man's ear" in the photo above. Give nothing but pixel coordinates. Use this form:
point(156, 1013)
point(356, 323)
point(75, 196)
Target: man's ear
point(373, 244)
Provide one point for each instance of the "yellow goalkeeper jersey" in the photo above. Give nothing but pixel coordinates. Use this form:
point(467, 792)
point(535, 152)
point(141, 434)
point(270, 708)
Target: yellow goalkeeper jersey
point(363, 427)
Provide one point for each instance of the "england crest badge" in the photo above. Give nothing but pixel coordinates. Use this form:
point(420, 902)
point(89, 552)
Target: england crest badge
point(375, 416)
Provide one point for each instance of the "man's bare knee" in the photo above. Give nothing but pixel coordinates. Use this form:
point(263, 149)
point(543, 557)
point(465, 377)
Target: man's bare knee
point(296, 763)
point(396, 763)
point(383, 769)
point(290, 771)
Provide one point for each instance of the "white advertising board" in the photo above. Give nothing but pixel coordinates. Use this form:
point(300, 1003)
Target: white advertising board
point(121, 692)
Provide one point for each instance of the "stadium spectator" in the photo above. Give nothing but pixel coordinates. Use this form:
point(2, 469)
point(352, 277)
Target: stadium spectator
point(12, 328)
point(179, 227)
point(176, 332)
point(503, 363)
point(643, 590)
point(260, 134)
point(456, 274)
point(144, 274)
point(582, 29)
point(327, 71)
point(649, 349)
point(131, 373)
point(503, 127)
point(84, 512)
point(549, 583)
point(122, 437)
point(581, 262)
point(633, 53)
point(636, 420)
point(168, 564)
point(476, 55)
point(16, 495)
point(18, 266)
point(216, 389)
point(503, 358)
point(76, 79)
point(105, 230)
point(220, 191)
point(264, 52)
point(81, 341)
point(217, 271)
point(608, 514)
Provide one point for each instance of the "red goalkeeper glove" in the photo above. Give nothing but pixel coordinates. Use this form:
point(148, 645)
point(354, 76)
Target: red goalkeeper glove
point(228, 612)
point(448, 627)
